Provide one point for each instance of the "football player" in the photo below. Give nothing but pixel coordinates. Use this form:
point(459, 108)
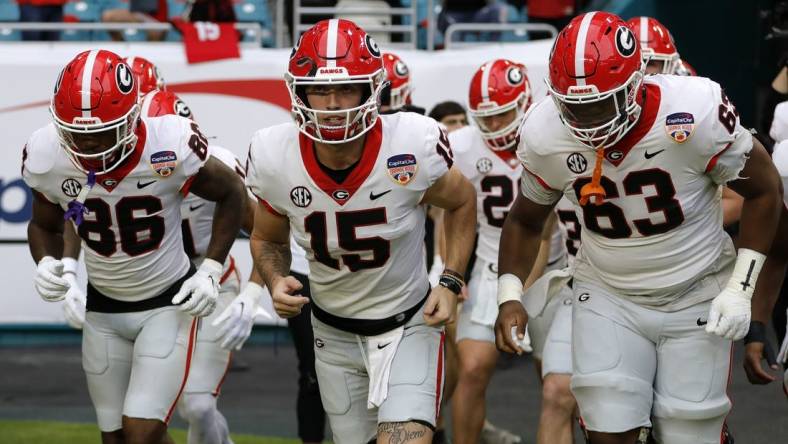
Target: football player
point(351, 186)
point(121, 179)
point(499, 96)
point(659, 290)
point(396, 94)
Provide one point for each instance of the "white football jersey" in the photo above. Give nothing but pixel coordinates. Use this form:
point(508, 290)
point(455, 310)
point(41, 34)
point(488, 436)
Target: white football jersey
point(779, 128)
point(780, 159)
point(364, 237)
point(131, 235)
point(197, 213)
point(661, 224)
point(569, 227)
point(495, 175)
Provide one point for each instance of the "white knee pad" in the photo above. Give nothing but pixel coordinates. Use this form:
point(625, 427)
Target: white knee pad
point(197, 408)
point(688, 431)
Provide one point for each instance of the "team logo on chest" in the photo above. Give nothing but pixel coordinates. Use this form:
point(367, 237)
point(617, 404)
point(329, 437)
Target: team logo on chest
point(680, 126)
point(301, 197)
point(71, 187)
point(340, 195)
point(163, 162)
point(614, 156)
point(577, 163)
point(402, 168)
point(484, 165)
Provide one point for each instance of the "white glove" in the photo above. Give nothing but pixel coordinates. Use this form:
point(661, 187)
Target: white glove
point(238, 318)
point(730, 312)
point(49, 282)
point(202, 289)
point(74, 305)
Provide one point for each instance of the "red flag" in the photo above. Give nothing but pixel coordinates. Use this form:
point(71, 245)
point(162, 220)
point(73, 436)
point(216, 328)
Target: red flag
point(207, 41)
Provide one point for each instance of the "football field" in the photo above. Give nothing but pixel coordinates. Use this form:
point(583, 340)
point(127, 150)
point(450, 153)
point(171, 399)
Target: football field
point(43, 399)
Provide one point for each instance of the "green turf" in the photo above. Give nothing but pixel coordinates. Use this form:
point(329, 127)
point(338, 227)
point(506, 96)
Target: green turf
point(49, 432)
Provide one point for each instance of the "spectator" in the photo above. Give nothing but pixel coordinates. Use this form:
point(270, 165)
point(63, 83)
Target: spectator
point(140, 11)
point(471, 11)
point(217, 11)
point(450, 114)
point(41, 11)
point(552, 12)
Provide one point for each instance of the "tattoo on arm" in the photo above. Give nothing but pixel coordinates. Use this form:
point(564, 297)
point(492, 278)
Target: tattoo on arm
point(402, 432)
point(273, 260)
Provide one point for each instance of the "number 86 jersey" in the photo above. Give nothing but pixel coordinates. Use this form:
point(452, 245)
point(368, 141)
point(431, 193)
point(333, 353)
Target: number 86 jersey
point(132, 231)
point(363, 237)
point(660, 227)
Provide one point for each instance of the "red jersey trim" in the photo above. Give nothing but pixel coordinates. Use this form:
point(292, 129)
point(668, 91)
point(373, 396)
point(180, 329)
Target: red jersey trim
point(269, 207)
point(229, 271)
point(644, 124)
point(359, 174)
point(713, 161)
point(187, 185)
point(541, 181)
point(119, 173)
point(189, 352)
point(507, 156)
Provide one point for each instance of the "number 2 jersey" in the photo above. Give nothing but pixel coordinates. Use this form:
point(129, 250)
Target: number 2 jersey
point(660, 227)
point(364, 237)
point(132, 232)
point(495, 176)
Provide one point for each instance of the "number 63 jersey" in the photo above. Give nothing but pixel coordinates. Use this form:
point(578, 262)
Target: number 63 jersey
point(364, 237)
point(660, 227)
point(132, 231)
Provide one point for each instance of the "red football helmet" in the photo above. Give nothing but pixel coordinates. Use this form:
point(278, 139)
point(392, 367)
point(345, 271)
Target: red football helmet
point(398, 75)
point(656, 43)
point(499, 86)
point(95, 110)
point(161, 103)
point(148, 75)
point(685, 69)
point(596, 74)
point(335, 52)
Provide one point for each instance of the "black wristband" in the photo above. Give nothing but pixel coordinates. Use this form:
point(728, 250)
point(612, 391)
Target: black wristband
point(453, 284)
point(455, 274)
point(757, 333)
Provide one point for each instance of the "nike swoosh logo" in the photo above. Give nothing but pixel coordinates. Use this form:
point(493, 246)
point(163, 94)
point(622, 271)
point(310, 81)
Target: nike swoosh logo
point(382, 346)
point(650, 155)
point(373, 196)
point(701, 323)
point(194, 207)
point(141, 185)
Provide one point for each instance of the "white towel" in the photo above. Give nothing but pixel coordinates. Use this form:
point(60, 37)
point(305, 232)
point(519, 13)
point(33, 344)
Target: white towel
point(380, 355)
point(484, 294)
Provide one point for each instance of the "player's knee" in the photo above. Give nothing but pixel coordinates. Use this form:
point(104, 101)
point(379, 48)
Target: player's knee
point(197, 408)
point(143, 431)
point(688, 431)
point(556, 395)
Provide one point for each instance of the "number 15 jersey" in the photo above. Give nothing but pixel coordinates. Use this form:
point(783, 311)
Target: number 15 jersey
point(364, 237)
point(660, 227)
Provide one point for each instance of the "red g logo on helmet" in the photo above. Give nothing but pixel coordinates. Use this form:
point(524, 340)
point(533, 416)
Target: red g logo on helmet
point(514, 76)
point(400, 68)
point(372, 46)
point(124, 78)
point(625, 41)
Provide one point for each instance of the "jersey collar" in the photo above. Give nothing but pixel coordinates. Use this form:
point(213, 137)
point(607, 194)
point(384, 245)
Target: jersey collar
point(341, 193)
point(615, 154)
point(111, 180)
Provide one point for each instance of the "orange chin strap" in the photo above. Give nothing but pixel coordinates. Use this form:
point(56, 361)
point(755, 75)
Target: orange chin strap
point(594, 188)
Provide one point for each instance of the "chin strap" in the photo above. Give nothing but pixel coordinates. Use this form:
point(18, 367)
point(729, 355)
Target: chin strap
point(76, 208)
point(594, 188)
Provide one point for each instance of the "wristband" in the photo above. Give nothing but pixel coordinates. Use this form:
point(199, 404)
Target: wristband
point(455, 274)
point(745, 273)
point(510, 288)
point(450, 282)
point(757, 333)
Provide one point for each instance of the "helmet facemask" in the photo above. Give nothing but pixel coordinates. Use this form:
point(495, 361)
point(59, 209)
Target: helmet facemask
point(671, 63)
point(617, 110)
point(120, 134)
point(357, 120)
point(504, 138)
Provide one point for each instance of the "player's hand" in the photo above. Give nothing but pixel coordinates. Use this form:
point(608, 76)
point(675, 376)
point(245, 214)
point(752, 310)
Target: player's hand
point(49, 280)
point(74, 303)
point(202, 290)
point(729, 315)
point(236, 321)
point(440, 307)
point(511, 321)
point(286, 303)
point(758, 348)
